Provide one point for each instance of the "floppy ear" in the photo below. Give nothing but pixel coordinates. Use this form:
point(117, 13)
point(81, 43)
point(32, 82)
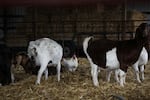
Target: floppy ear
point(141, 31)
point(32, 49)
point(35, 51)
point(137, 30)
point(74, 56)
point(31, 43)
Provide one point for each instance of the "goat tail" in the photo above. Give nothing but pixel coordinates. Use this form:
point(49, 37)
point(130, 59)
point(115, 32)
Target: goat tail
point(85, 44)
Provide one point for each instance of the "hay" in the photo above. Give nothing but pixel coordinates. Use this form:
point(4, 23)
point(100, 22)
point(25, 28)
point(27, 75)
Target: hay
point(76, 86)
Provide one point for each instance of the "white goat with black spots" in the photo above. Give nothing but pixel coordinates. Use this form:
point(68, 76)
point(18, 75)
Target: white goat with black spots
point(71, 63)
point(46, 52)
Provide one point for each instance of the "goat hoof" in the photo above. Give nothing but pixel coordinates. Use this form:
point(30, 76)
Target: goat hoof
point(97, 85)
point(37, 83)
point(122, 85)
point(46, 78)
point(58, 80)
point(108, 81)
point(139, 81)
point(142, 80)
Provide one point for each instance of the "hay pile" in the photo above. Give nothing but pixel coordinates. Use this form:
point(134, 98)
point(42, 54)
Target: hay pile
point(76, 86)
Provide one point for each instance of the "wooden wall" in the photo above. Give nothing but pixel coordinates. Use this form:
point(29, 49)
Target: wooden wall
point(64, 23)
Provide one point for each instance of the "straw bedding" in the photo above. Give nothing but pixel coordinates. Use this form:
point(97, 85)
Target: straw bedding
point(76, 86)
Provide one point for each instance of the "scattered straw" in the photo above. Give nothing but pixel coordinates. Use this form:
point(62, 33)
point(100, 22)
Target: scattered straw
point(76, 86)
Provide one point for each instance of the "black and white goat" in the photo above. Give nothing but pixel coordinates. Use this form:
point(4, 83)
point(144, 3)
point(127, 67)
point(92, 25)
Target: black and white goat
point(46, 52)
point(117, 54)
point(138, 67)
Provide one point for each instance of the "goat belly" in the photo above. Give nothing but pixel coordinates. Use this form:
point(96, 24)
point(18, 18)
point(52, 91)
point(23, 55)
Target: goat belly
point(111, 59)
point(143, 58)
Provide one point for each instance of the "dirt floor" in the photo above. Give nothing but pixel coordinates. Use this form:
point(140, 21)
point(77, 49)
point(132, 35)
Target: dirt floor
point(76, 86)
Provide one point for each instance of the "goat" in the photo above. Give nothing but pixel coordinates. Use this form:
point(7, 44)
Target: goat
point(71, 63)
point(138, 67)
point(115, 54)
point(46, 52)
point(29, 65)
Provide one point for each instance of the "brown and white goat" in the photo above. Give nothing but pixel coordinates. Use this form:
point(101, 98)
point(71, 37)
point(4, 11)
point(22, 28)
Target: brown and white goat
point(115, 54)
point(29, 65)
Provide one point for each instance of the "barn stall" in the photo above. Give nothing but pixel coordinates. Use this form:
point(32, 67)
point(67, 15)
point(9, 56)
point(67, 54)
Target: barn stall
point(69, 23)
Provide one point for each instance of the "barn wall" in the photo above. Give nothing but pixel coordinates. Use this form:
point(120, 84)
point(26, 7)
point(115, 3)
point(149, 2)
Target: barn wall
point(64, 23)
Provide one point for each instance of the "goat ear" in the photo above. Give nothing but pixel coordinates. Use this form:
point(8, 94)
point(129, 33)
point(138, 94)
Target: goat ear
point(137, 30)
point(139, 33)
point(63, 59)
point(141, 28)
point(31, 42)
point(74, 56)
point(34, 50)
